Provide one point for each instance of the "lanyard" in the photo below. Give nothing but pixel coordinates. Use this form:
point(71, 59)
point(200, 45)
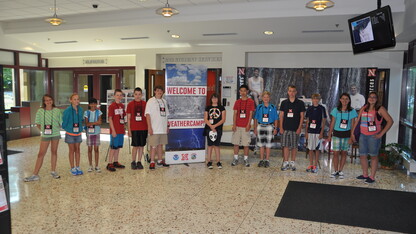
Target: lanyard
point(341, 115)
point(44, 120)
point(245, 105)
point(267, 108)
point(163, 102)
point(122, 112)
point(140, 109)
point(73, 114)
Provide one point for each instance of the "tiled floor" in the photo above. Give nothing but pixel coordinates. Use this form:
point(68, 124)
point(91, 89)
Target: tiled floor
point(178, 199)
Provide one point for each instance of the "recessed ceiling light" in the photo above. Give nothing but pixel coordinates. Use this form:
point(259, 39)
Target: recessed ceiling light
point(98, 40)
point(268, 32)
point(175, 36)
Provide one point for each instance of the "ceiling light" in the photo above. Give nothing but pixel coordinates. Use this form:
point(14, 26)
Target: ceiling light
point(175, 36)
point(98, 40)
point(167, 11)
point(268, 32)
point(320, 5)
point(55, 20)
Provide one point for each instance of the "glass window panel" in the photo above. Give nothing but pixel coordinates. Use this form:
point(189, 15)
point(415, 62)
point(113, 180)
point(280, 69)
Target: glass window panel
point(6, 57)
point(32, 84)
point(9, 92)
point(63, 86)
point(26, 59)
point(129, 79)
point(410, 94)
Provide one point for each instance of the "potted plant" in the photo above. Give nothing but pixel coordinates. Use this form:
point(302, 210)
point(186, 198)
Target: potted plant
point(390, 155)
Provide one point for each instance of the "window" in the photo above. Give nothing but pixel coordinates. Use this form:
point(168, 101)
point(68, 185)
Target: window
point(129, 81)
point(9, 94)
point(32, 84)
point(63, 86)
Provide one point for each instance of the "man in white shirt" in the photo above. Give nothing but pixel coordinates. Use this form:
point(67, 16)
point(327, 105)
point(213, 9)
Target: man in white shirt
point(157, 122)
point(357, 100)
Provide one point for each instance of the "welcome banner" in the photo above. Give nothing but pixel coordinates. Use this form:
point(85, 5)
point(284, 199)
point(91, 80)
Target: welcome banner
point(186, 90)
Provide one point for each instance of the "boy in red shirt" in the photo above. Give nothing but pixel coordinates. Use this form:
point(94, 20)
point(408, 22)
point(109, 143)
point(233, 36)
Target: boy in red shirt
point(116, 115)
point(137, 127)
point(243, 113)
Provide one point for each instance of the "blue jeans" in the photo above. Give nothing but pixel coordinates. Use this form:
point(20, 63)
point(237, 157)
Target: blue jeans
point(369, 145)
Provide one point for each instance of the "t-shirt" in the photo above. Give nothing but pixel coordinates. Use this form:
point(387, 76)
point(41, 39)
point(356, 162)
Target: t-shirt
point(357, 101)
point(291, 114)
point(345, 116)
point(266, 115)
point(315, 114)
point(72, 121)
point(116, 112)
point(370, 118)
point(93, 116)
point(243, 108)
point(137, 117)
point(215, 113)
point(49, 117)
point(158, 111)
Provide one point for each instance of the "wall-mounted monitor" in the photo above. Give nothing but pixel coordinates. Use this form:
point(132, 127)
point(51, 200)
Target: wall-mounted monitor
point(372, 31)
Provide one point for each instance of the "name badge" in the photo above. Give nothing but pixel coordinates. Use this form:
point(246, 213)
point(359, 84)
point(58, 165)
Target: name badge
point(243, 114)
point(265, 118)
point(211, 121)
point(91, 129)
point(121, 120)
point(372, 127)
point(75, 127)
point(343, 124)
point(312, 125)
point(290, 113)
point(138, 117)
point(47, 130)
point(162, 111)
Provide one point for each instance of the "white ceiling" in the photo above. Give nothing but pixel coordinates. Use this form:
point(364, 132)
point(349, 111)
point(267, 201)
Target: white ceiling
point(23, 20)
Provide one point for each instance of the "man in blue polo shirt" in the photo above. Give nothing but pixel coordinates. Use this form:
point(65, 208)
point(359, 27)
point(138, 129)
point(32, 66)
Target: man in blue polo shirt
point(265, 127)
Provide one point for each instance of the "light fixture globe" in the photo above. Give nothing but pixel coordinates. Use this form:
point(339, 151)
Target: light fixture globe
point(55, 20)
point(167, 10)
point(320, 5)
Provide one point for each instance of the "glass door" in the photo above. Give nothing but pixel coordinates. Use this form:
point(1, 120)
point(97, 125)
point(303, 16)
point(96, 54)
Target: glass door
point(84, 88)
point(107, 85)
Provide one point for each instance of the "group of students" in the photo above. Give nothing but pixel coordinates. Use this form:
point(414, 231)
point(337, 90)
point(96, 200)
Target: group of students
point(147, 123)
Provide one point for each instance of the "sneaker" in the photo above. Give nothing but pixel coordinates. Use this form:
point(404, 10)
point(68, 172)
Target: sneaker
point(246, 163)
point(266, 163)
point(341, 175)
point(309, 169)
point(55, 175)
point(139, 166)
point(90, 169)
point(97, 169)
point(162, 163)
point(235, 162)
point(285, 166)
point(74, 171)
point(369, 181)
point(219, 165)
point(314, 169)
point(361, 177)
point(31, 178)
point(261, 163)
point(134, 165)
point(209, 165)
point(110, 167)
point(118, 165)
point(292, 165)
point(79, 171)
point(334, 174)
point(152, 166)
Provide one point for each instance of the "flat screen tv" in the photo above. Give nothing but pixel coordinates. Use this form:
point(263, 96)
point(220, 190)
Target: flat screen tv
point(372, 31)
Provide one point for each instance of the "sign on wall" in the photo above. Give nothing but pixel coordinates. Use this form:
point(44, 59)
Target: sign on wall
point(186, 89)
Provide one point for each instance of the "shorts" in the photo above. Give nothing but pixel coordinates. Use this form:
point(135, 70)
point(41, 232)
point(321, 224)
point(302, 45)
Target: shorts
point(369, 145)
point(241, 137)
point(116, 142)
point(157, 139)
point(340, 144)
point(217, 141)
point(265, 135)
point(72, 139)
point(290, 139)
point(138, 138)
point(50, 138)
point(93, 140)
point(314, 143)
